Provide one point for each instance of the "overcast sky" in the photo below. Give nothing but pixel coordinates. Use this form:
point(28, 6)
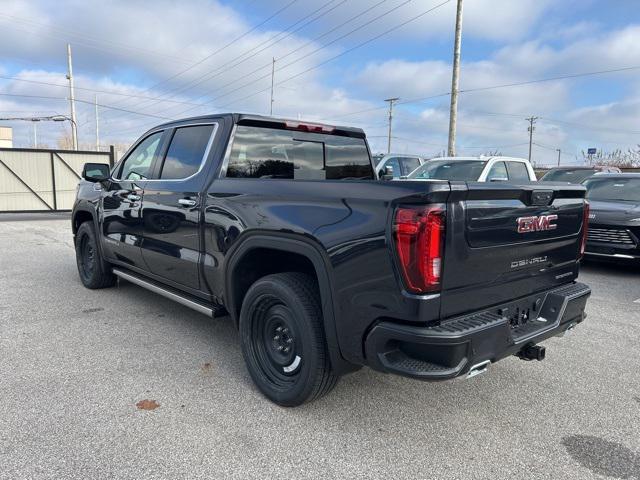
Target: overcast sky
point(336, 61)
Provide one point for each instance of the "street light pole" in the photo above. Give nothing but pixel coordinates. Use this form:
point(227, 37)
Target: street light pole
point(72, 101)
point(273, 74)
point(97, 126)
point(455, 80)
point(559, 152)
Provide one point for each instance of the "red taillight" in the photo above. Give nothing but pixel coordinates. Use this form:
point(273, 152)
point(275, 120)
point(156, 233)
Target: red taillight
point(585, 228)
point(419, 239)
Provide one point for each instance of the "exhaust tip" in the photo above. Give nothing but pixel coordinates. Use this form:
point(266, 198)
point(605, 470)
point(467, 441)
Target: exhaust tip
point(478, 369)
point(532, 352)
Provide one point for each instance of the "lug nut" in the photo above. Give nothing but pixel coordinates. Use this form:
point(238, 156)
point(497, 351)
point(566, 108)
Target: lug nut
point(279, 348)
point(286, 349)
point(289, 340)
point(276, 338)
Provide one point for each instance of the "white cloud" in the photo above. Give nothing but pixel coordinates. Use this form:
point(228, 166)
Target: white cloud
point(126, 47)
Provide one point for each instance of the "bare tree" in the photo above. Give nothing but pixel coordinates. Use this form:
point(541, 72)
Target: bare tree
point(616, 158)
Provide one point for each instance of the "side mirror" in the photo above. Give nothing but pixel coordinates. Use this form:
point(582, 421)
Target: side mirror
point(388, 173)
point(499, 179)
point(95, 172)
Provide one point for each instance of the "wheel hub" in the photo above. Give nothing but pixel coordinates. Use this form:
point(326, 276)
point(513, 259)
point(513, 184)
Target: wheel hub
point(280, 341)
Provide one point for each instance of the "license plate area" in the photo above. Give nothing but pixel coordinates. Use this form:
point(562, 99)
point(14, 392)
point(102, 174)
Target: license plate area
point(532, 315)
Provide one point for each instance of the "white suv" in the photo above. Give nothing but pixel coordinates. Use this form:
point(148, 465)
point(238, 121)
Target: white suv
point(475, 169)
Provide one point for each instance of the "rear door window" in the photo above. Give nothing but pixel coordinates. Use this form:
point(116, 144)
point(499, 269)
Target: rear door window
point(498, 173)
point(186, 152)
point(270, 153)
point(409, 164)
point(518, 171)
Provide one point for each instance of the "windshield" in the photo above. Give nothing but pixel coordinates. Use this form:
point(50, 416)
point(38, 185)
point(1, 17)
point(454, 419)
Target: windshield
point(621, 189)
point(572, 176)
point(468, 170)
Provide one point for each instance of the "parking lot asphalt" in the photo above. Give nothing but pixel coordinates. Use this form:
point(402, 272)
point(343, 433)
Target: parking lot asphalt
point(74, 363)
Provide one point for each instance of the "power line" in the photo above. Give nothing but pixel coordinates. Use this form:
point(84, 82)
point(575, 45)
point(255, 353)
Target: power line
point(256, 50)
point(226, 45)
point(202, 60)
point(386, 32)
point(351, 32)
point(110, 107)
point(65, 33)
point(95, 90)
point(304, 46)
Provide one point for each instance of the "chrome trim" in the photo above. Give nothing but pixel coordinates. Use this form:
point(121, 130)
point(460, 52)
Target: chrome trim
point(616, 255)
point(227, 153)
point(165, 293)
point(207, 150)
point(478, 368)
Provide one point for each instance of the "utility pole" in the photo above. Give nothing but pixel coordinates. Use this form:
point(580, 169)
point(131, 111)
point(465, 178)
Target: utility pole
point(391, 102)
point(74, 125)
point(273, 74)
point(97, 126)
point(35, 131)
point(455, 80)
point(532, 122)
point(559, 152)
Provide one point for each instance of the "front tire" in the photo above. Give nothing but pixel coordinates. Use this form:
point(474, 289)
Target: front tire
point(93, 270)
point(283, 341)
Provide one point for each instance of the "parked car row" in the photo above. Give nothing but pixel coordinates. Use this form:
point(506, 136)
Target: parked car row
point(615, 196)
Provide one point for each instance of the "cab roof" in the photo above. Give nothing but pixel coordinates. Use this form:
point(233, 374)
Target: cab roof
point(266, 121)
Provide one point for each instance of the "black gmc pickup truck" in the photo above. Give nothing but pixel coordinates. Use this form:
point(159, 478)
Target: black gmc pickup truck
point(323, 268)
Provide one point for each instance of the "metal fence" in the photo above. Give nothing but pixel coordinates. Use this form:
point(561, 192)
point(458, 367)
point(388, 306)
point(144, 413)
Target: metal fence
point(34, 179)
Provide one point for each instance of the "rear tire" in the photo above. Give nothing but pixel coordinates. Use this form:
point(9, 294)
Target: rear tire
point(283, 341)
point(93, 270)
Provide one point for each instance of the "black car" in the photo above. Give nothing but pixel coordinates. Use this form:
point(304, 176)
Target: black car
point(576, 174)
point(614, 226)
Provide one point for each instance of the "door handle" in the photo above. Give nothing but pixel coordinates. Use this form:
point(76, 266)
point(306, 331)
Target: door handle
point(186, 202)
point(133, 197)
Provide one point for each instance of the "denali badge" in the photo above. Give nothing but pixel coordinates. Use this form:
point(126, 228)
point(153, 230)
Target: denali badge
point(536, 224)
point(528, 261)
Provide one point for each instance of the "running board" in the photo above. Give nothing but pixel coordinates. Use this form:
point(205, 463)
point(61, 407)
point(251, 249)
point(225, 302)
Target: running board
point(198, 307)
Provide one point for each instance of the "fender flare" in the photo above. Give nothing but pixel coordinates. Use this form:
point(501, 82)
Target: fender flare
point(309, 249)
point(90, 209)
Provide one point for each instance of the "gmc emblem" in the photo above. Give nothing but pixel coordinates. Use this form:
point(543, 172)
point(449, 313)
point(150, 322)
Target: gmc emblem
point(536, 224)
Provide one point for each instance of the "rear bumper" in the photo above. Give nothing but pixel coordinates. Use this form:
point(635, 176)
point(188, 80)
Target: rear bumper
point(452, 348)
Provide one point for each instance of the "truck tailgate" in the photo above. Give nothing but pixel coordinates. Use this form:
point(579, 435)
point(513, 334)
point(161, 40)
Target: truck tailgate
point(505, 241)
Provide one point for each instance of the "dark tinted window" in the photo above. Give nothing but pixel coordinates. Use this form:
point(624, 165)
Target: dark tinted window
point(469, 170)
point(136, 165)
point(518, 171)
point(273, 153)
point(621, 189)
point(186, 151)
point(571, 176)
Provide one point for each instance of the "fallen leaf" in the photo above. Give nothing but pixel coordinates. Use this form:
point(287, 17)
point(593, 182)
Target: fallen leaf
point(147, 404)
